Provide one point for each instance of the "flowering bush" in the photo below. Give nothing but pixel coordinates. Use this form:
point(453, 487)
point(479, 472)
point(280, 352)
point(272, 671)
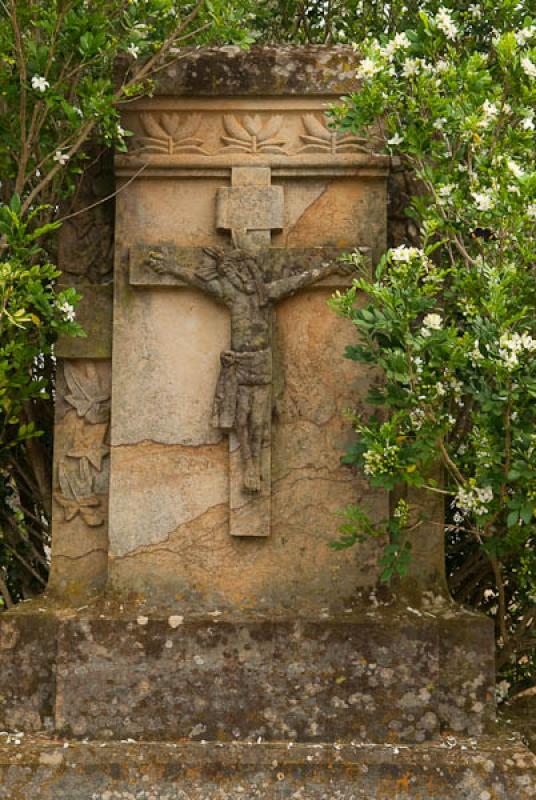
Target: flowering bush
point(451, 322)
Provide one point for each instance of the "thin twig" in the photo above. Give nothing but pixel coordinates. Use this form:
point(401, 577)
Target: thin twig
point(104, 199)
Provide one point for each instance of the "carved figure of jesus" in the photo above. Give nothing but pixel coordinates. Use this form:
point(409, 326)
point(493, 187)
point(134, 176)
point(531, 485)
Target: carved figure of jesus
point(242, 401)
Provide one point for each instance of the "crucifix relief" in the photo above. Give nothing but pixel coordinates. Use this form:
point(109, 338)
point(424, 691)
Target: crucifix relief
point(248, 279)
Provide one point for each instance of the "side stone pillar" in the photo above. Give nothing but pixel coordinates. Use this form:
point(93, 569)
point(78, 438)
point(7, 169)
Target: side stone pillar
point(81, 472)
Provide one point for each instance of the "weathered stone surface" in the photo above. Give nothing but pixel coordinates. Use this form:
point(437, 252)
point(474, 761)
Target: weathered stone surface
point(80, 469)
point(170, 399)
point(94, 313)
point(223, 681)
point(360, 674)
point(313, 70)
point(86, 238)
point(80, 478)
point(466, 696)
point(462, 770)
point(520, 714)
point(28, 645)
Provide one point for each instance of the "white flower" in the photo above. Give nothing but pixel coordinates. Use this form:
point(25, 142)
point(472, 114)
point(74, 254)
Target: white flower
point(410, 67)
point(473, 498)
point(418, 363)
point(39, 83)
point(531, 211)
point(490, 109)
point(431, 322)
point(527, 123)
point(134, 50)
point(368, 68)
point(458, 518)
point(78, 111)
point(396, 139)
point(68, 311)
point(378, 463)
point(417, 418)
point(439, 123)
point(475, 353)
point(490, 112)
point(446, 24)
point(400, 42)
point(404, 253)
point(61, 158)
point(511, 346)
point(523, 36)
point(483, 200)
point(475, 11)
point(445, 193)
point(442, 65)
point(515, 169)
point(528, 67)
point(120, 131)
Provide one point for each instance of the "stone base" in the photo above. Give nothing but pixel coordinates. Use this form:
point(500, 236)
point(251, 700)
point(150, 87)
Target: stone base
point(491, 769)
point(374, 676)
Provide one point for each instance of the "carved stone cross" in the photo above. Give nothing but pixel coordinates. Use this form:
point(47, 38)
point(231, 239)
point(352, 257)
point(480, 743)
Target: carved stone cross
point(250, 208)
point(249, 280)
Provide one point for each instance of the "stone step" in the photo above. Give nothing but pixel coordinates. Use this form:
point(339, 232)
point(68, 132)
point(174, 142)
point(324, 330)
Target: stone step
point(485, 769)
point(379, 676)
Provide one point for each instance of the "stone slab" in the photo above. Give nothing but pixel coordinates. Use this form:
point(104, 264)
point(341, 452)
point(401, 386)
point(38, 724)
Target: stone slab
point(221, 681)
point(489, 769)
point(366, 676)
point(279, 70)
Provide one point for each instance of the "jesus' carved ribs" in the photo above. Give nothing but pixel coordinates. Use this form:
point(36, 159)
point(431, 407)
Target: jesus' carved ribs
point(241, 280)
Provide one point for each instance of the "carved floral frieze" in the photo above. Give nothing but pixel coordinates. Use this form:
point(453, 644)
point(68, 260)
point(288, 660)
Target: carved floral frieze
point(321, 139)
point(81, 463)
point(177, 133)
point(250, 134)
point(170, 133)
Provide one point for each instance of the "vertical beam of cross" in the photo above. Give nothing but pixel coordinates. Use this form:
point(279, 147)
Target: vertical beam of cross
point(250, 209)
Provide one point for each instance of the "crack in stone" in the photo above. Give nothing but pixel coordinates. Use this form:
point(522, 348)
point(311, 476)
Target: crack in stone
point(82, 555)
point(157, 546)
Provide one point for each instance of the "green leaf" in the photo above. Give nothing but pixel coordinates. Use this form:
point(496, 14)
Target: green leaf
point(512, 519)
point(15, 204)
point(527, 512)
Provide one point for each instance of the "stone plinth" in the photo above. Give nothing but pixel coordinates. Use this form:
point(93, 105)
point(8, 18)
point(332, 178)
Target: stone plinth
point(465, 769)
point(366, 675)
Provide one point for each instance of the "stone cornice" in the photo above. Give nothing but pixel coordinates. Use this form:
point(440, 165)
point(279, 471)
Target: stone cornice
point(270, 70)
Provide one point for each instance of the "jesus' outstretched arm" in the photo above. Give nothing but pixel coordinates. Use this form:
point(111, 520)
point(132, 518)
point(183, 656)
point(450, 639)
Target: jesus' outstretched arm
point(164, 261)
point(284, 287)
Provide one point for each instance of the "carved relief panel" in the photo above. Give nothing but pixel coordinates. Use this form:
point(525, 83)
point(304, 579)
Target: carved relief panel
point(228, 380)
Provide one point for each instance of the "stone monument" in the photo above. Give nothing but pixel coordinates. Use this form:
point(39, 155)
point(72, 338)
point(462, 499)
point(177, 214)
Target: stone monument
point(199, 639)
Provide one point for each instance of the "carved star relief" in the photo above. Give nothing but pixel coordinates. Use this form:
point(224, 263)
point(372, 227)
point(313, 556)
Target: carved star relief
point(86, 394)
point(88, 443)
